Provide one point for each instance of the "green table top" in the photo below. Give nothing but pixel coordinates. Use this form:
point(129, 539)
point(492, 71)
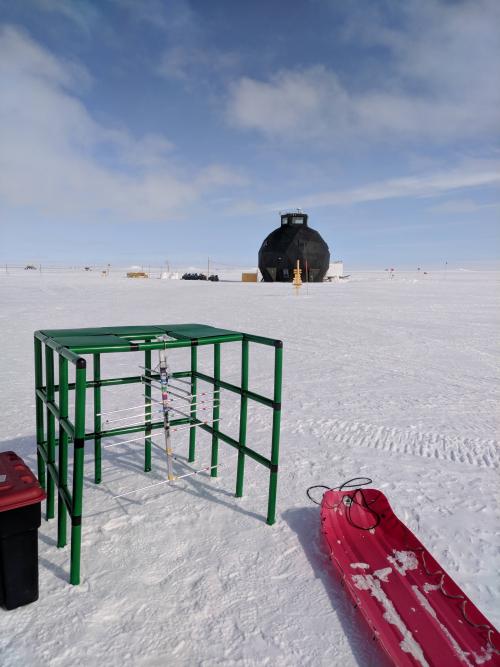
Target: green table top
point(115, 338)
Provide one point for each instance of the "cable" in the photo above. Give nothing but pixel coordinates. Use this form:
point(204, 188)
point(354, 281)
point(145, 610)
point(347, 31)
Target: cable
point(348, 484)
point(358, 498)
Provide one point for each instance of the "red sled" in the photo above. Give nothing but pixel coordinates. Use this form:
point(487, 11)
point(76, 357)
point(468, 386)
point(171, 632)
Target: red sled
point(417, 612)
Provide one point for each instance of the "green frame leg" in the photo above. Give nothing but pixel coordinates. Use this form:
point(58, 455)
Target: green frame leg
point(242, 439)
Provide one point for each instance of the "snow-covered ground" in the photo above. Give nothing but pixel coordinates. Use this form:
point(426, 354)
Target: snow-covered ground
point(393, 379)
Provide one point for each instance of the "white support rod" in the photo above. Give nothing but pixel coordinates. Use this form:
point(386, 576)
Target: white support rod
point(125, 442)
point(172, 393)
point(155, 435)
point(155, 370)
point(182, 381)
point(154, 383)
point(132, 407)
point(138, 414)
point(164, 378)
point(168, 481)
point(179, 396)
point(185, 414)
point(157, 385)
point(188, 426)
point(208, 404)
point(189, 396)
point(183, 391)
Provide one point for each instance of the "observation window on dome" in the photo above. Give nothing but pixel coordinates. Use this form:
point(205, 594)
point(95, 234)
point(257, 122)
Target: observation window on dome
point(297, 220)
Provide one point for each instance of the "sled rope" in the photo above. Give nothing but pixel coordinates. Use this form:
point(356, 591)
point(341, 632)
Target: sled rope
point(358, 498)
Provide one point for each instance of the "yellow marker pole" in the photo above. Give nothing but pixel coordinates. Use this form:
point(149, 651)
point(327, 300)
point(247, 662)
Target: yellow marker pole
point(297, 280)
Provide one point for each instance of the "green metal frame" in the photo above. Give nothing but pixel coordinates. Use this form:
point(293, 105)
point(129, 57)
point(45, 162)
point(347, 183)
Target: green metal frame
point(70, 345)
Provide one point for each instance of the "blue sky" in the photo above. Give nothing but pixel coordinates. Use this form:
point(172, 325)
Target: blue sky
point(133, 132)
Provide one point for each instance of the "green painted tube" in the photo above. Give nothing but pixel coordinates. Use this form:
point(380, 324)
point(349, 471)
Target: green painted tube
point(97, 419)
point(215, 413)
point(125, 430)
point(234, 443)
point(39, 410)
point(242, 439)
point(147, 403)
point(60, 349)
point(63, 453)
point(78, 462)
point(262, 340)
point(192, 431)
point(237, 390)
point(51, 431)
point(209, 340)
point(273, 477)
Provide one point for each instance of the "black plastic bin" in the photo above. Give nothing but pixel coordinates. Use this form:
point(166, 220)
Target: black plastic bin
point(20, 499)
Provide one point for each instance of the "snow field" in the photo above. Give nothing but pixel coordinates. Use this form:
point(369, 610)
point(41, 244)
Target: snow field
point(393, 379)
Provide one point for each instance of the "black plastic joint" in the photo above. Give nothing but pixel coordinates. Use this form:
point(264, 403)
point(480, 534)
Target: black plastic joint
point(81, 363)
point(276, 406)
point(195, 342)
point(134, 347)
point(76, 520)
point(278, 343)
point(274, 467)
point(79, 443)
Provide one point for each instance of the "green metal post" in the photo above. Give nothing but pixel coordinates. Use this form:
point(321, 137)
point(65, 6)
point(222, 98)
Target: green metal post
point(78, 461)
point(147, 402)
point(63, 452)
point(192, 431)
point(97, 419)
point(215, 412)
point(39, 411)
point(275, 447)
point(243, 419)
point(51, 431)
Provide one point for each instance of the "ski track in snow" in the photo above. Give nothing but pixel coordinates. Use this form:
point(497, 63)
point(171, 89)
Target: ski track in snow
point(394, 379)
point(472, 451)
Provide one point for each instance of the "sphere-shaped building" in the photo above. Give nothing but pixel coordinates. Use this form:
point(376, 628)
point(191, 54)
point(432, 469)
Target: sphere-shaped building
point(294, 240)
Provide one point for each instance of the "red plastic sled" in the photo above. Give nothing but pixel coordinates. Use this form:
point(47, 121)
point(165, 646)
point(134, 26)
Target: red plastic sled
point(415, 609)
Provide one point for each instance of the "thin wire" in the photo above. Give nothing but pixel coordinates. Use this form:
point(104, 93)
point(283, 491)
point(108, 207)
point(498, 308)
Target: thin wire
point(418, 549)
point(364, 481)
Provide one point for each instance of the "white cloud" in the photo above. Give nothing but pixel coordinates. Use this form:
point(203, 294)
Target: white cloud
point(57, 160)
point(436, 78)
point(186, 63)
point(462, 206)
point(81, 14)
point(469, 175)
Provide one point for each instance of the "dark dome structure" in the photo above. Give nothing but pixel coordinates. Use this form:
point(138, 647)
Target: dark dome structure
point(293, 241)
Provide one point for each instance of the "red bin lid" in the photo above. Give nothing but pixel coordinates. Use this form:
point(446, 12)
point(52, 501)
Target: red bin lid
point(18, 485)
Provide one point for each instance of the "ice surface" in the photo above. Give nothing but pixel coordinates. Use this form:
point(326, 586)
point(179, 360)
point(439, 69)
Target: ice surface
point(394, 379)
